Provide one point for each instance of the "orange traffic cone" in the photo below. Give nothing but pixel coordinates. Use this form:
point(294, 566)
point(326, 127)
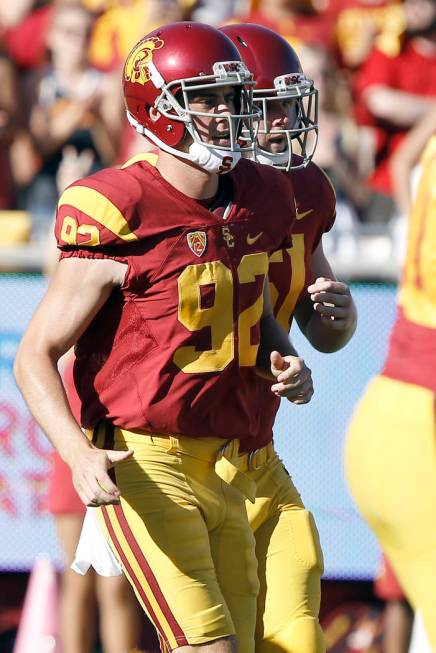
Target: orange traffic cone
point(38, 631)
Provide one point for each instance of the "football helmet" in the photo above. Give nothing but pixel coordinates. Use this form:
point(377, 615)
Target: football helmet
point(164, 68)
point(278, 76)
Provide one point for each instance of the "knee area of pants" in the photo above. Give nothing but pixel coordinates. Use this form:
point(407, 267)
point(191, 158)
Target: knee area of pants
point(305, 540)
point(303, 635)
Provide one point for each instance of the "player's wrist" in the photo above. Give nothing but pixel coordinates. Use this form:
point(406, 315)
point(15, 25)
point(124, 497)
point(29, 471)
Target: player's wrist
point(74, 448)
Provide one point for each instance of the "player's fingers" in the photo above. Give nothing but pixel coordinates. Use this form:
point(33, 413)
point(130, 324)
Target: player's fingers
point(301, 396)
point(283, 389)
point(277, 363)
point(115, 457)
point(328, 285)
point(106, 484)
point(331, 311)
point(296, 374)
point(336, 299)
point(95, 492)
point(100, 497)
point(335, 324)
point(292, 366)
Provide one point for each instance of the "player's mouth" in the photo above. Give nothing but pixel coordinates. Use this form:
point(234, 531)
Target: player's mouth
point(223, 138)
point(277, 142)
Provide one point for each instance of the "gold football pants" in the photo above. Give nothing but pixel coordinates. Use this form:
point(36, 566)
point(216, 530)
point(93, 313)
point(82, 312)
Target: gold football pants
point(183, 538)
point(290, 562)
point(391, 470)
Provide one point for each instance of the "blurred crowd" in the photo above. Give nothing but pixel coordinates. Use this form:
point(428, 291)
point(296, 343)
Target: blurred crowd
point(62, 116)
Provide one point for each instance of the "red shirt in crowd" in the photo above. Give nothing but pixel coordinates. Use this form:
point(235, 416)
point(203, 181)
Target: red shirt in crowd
point(410, 72)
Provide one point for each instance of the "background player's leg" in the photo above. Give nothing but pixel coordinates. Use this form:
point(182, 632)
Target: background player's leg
point(224, 645)
point(290, 566)
point(78, 614)
point(120, 615)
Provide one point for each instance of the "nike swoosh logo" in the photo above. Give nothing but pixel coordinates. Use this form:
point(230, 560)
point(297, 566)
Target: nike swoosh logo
point(252, 239)
point(300, 216)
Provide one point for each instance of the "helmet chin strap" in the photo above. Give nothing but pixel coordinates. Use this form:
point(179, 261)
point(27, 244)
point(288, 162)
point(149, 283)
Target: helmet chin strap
point(278, 159)
point(212, 160)
point(207, 158)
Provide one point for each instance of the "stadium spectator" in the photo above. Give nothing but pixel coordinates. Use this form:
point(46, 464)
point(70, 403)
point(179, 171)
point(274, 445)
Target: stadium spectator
point(395, 419)
point(362, 24)
point(114, 33)
point(122, 24)
point(23, 29)
point(75, 105)
point(8, 130)
point(214, 13)
point(299, 21)
point(392, 93)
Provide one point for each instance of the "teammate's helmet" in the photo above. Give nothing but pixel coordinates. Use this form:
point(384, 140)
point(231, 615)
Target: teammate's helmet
point(169, 63)
point(278, 76)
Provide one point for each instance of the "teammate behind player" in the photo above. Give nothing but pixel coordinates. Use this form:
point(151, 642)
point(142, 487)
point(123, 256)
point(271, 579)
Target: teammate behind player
point(161, 287)
point(302, 284)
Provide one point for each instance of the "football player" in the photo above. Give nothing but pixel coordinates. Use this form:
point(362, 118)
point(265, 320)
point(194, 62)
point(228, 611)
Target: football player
point(390, 449)
point(302, 285)
point(161, 288)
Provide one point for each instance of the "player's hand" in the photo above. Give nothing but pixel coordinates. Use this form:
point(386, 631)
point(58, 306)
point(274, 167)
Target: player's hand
point(90, 478)
point(294, 378)
point(333, 301)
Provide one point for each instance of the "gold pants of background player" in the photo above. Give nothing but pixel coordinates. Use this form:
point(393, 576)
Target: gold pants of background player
point(391, 470)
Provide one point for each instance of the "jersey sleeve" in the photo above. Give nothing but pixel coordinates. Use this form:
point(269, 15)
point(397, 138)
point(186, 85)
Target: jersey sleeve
point(96, 216)
point(281, 195)
point(327, 213)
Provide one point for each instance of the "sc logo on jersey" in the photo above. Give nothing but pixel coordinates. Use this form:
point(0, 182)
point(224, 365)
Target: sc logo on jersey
point(136, 68)
point(228, 236)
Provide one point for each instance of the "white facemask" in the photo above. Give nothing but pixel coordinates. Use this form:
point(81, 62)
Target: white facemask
point(208, 158)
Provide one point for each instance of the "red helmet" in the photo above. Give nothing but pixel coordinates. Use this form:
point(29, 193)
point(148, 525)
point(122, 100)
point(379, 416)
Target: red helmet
point(278, 76)
point(170, 62)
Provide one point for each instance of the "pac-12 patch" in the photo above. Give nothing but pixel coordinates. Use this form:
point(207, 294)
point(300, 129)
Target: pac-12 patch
point(197, 241)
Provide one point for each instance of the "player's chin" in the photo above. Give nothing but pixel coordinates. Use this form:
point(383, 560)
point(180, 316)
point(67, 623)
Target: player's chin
point(277, 145)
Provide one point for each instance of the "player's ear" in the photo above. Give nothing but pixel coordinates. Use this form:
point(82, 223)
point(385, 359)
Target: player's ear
point(154, 114)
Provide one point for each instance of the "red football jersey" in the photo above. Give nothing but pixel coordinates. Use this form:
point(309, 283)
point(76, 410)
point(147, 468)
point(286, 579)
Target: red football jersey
point(412, 347)
point(174, 350)
point(290, 270)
